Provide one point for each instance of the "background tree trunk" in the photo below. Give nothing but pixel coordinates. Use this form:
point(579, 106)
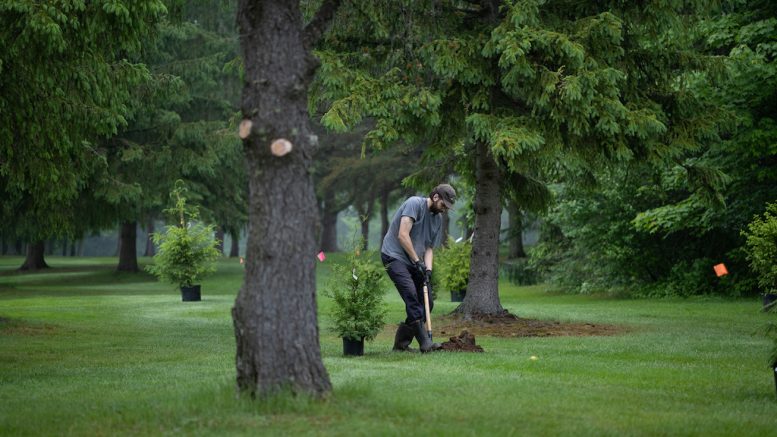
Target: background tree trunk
point(365, 213)
point(384, 219)
point(234, 250)
point(276, 329)
point(150, 249)
point(515, 232)
point(329, 224)
point(483, 288)
point(220, 238)
point(128, 252)
point(34, 260)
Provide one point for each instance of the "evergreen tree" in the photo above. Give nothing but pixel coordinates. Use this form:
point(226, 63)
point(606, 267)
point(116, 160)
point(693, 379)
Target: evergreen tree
point(181, 129)
point(508, 86)
point(65, 80)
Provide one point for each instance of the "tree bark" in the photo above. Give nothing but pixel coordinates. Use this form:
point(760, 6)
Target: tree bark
point(329, 230)
point(515, 232)
point(234, 249)
point(276, 328)
point(34, 260)
point(150, 249)
point(128, 253)
point(483, 288)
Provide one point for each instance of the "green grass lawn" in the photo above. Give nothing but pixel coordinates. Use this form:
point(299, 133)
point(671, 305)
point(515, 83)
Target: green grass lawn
point(85, 350)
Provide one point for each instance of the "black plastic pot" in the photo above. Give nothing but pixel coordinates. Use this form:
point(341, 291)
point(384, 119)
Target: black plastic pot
point(353, 347)
point(190, 294)
point(458, 296)
point(769, 298)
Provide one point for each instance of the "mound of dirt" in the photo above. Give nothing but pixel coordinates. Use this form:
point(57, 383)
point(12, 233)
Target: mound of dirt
point(465, 342)
point(509, 325)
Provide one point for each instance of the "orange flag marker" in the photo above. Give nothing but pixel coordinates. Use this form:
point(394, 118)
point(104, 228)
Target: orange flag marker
point(720, 270)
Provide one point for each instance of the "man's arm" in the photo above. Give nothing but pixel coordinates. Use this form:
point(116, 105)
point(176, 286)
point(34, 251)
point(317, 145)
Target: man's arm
point(428, 258)
point(405, 225)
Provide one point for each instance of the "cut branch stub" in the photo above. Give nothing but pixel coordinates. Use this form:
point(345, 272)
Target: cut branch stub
point(245, 128)
point(280, 147)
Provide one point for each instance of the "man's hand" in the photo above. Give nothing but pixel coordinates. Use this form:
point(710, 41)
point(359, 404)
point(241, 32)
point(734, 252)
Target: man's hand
point(420, 267)
point(428, 277)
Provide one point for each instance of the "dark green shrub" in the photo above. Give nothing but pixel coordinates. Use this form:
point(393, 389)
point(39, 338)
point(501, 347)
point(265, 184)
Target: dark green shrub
point(518, 271)
point(761, 235)
point(451, 266)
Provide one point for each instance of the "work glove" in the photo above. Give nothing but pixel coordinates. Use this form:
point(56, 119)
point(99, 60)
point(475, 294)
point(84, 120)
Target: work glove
point(428, 277)
point(420, 268)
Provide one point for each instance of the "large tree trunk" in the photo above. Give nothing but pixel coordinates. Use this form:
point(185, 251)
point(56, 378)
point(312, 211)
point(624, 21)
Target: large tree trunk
point(234, 249)
point(329, 224)
point(149, 242)
point(128, 253)
point(483, 288)
point(515, 232)
point(274, 316)
point(34, 260)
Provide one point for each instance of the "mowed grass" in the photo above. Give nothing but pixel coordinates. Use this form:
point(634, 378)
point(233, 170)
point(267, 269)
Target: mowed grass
point(88, 351)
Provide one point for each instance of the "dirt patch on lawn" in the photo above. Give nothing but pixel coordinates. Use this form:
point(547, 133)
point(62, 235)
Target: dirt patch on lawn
point(509, 325)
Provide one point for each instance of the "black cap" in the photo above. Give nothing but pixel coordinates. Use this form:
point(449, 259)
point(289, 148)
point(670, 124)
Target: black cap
point(447, 194)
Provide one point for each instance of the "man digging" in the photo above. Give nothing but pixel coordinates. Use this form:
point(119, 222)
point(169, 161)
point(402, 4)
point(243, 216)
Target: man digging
point(415, 231)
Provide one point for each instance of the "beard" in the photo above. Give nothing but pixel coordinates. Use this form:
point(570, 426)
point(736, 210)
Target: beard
point(435, 209)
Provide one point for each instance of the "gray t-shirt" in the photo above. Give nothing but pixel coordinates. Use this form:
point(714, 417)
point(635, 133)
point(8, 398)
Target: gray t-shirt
point(426, 230)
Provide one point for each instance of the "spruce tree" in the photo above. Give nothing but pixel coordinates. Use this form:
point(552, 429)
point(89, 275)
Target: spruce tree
point(65, 78)
point(512, 85)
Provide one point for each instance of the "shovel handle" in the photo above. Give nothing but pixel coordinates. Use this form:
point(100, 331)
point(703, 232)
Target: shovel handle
point(426, 310)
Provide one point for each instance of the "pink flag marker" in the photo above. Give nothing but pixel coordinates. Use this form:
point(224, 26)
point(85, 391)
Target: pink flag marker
point(321, 256)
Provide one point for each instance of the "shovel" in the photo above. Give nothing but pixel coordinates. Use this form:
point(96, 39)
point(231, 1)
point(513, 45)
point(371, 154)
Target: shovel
point(426, 310)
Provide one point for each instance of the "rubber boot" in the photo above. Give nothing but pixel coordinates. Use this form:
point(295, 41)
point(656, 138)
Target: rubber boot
point(423, 338)
point(403, 338)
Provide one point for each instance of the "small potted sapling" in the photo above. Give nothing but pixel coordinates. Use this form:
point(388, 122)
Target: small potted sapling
point(187, 250)
point(454, 269)
point(356, 289)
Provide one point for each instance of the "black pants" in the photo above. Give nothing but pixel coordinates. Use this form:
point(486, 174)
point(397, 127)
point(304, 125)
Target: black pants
point(410, 285)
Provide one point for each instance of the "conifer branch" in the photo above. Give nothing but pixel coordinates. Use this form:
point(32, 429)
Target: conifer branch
point(318, 24)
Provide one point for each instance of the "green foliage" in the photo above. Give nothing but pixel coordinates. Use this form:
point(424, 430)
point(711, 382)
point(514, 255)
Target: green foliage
point(357, 288)
point(65, 83)
point(761, 235)
point(451, 265)
point(519, 271)
point(187, 250)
